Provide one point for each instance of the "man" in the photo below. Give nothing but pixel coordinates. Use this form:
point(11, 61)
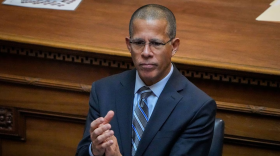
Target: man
point(152, 110)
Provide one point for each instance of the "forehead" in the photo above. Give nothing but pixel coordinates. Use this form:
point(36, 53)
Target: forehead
point(150, 28)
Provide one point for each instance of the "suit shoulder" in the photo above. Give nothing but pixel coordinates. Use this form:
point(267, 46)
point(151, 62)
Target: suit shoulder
point(195, 94)
point(186, 88)
point(114, 79)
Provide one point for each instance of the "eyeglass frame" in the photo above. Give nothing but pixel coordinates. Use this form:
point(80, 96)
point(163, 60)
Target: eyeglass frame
point(163, 44)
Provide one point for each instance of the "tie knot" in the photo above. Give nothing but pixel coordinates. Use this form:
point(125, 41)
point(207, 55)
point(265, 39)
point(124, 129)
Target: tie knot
point(145, 92)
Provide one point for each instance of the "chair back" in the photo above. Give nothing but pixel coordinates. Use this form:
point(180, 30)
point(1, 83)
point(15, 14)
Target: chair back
point(218, 137)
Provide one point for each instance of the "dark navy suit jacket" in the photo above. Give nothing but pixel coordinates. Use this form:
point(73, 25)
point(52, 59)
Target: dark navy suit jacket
point(181, 124)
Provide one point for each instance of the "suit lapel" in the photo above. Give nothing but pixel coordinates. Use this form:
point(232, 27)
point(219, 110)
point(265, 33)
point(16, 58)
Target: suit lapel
point(124, 105)
point(165, 105)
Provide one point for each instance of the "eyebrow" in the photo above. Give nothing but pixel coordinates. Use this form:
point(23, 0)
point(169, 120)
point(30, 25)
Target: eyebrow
point(137, 40)
point(142, 40)
point(155, 40)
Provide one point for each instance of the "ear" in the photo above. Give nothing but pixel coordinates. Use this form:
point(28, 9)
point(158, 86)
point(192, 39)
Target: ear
point(175, 44)
point(127, 41)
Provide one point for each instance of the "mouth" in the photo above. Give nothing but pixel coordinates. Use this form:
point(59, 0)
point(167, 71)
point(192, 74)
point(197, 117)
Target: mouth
point(147, 66)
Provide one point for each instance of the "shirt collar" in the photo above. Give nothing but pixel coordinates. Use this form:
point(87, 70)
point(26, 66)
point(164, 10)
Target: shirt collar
point(157, 87)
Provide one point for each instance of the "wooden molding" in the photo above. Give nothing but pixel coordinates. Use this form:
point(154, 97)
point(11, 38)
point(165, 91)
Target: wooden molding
point(11, 124)
point(129, 65)
point(45, 83)
point(230, 78)
point(6, 119)
point(66, 57)
point(19, 132)
point(53, 116)
point(251, 142)
point(254, 109)
point(116, 52)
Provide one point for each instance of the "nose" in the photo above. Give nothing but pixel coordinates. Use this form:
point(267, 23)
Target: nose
point(147, 52)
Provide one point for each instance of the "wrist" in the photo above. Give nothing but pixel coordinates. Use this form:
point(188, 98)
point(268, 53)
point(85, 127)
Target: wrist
point(93, 153)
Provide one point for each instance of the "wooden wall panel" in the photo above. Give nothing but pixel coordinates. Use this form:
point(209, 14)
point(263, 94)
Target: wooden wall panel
point(61, 87)
point(256, 128)
point(45, 138)
point(43, 99)
point(241, 150)
point(53, 69)
point(268, 97)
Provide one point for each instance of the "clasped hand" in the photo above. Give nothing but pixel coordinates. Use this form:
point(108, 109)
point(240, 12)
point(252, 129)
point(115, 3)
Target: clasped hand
point(102, 137)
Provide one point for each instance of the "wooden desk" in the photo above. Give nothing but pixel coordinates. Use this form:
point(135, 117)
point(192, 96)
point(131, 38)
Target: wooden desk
point(219, 34)
point(49, 58)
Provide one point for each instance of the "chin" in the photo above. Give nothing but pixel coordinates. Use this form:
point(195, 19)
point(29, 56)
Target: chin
point(147, 73)
point(147, 76)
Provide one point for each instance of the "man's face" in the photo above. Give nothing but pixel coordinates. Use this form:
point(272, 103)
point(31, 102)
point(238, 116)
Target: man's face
point(152, 64)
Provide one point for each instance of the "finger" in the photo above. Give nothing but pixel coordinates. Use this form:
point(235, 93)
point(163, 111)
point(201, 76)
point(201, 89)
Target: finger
point(108, 143)
point(109, 117)
point(106, 136)
point(95, 124)
point(99, 131)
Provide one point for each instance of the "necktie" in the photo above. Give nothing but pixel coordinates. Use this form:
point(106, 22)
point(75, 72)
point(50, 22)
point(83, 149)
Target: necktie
point(140, 117)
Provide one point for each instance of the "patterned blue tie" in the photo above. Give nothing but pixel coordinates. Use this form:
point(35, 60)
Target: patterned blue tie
point(140, 117)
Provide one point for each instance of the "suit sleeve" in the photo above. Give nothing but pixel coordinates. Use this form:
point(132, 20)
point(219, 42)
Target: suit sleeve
point(197, 136)
point(83, 146)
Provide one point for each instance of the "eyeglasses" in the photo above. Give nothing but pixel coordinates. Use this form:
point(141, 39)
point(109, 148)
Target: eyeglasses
point(154, 45)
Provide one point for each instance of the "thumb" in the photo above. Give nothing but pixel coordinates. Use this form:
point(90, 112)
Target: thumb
point(108, 117)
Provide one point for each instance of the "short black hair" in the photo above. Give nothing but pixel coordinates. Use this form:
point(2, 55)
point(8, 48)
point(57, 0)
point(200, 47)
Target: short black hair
point(153, 12)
